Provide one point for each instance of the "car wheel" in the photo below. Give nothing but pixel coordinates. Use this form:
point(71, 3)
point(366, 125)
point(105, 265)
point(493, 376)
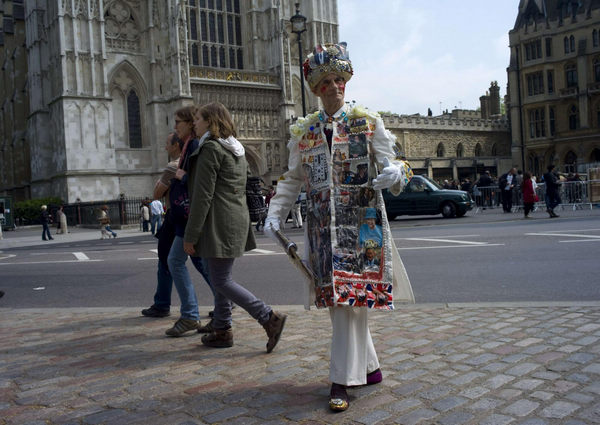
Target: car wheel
point(448, 210)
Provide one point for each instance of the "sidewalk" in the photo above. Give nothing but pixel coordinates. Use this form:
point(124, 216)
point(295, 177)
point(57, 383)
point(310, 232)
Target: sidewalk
point(456, 364)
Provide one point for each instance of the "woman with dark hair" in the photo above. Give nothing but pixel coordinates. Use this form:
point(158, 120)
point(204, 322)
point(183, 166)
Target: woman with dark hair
point(528, 193)
point(190, 318)
point(219, 227)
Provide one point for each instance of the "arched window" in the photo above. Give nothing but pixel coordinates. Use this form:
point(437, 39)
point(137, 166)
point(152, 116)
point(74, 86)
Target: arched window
point(595, 38)
point(460, 151)
point(570, 162)
point(571, 75)
point(494, 150)
point(573, 118)
point(572, 43)
point(597, 70)
point(566, 44)
point(477, 149)
point(440, 150)
point(134, 122)
point(595, 155)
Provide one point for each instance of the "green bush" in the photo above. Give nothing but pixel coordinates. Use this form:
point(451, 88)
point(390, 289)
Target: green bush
point(29, 211)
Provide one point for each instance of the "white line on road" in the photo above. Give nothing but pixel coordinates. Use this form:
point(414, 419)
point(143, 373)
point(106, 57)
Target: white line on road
point(444, 240)
point(582, 240)
point(450, 246)
point(262, 251)
point(81, 256)
point(48, 262)
point(575, 235)
point(5, 256)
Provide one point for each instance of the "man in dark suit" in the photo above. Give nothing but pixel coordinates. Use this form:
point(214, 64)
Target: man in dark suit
point(506, 183)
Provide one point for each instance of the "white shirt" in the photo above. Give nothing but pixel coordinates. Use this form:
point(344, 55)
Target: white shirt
point(156, 207)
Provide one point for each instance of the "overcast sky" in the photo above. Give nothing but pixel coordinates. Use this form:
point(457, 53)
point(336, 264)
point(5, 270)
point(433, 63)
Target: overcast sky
point(410, 55)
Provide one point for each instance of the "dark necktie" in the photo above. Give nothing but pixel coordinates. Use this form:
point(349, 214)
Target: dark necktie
point(328, 134)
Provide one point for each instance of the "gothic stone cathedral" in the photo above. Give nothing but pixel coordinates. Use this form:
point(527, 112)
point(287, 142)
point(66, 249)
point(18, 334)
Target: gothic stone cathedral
point(95, 84)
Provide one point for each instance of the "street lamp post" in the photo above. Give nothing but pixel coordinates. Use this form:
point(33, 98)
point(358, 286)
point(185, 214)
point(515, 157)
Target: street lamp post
point(298, 27)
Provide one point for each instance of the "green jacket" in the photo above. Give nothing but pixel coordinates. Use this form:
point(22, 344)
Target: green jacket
point(219, 222)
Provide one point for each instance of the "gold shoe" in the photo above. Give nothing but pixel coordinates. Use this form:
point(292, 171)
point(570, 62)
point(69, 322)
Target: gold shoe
point(338, 398)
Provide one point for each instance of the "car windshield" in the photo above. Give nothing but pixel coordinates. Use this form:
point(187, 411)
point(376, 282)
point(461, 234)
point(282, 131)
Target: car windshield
point(432, 183)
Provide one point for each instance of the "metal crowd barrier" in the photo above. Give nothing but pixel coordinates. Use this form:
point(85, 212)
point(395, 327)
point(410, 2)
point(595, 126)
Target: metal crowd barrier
point(576, 195)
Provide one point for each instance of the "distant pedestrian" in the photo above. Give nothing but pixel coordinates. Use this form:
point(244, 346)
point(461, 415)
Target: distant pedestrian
point(45, 219)
point(61, 217)
point(552, 182)
point(104, 220)
point(297, 213)
point(529, 196)
point(157, 211)
point(145, 217)
point(506, 184)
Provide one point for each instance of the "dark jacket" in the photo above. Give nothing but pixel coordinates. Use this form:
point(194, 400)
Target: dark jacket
point(552, 182)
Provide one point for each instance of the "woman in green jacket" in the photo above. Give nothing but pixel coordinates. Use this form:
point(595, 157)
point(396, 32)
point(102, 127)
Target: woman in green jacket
point(218, 227)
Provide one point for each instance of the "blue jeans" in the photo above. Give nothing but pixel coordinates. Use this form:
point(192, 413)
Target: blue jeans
point(109, 230)
point(46, 231)
point(183, 281)
point(164, 282)
point(155, 223)
point(227, 289)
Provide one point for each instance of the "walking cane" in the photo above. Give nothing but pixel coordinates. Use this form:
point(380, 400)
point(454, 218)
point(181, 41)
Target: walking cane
point(291, 249)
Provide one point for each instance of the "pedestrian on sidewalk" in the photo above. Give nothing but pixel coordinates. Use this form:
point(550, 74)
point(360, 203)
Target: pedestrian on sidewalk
point(297, 213)
point(157, 211)
point(529, 196)
point(219, 227)
point(334, 249)
point(179, 188)
point(166, 234)
point(45, 219)
point(145, 216)
point(61, 217)
point(104, 220)
point(506, 184)
point(552, 182)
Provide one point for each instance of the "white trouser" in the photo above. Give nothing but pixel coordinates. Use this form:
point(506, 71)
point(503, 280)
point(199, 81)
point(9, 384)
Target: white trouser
point(352, 352)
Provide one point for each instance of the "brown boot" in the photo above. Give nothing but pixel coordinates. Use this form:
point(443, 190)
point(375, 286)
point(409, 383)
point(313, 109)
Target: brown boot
point(219, 338)
point(274, 327)
point(206, 329)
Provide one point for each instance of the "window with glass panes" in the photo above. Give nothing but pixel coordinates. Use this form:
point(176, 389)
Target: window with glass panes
point(571, 75)
point(597, 70)
point(215, 33)
point(537, 123)
point(535, 83)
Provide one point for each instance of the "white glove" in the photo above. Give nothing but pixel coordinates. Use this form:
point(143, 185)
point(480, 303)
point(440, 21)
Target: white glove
point(271, 226)
point(390, 175)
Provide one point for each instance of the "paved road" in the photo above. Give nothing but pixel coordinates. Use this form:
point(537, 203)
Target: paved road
point(480, 258)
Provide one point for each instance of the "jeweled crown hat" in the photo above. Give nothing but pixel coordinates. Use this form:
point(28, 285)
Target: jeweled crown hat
point(325, 59)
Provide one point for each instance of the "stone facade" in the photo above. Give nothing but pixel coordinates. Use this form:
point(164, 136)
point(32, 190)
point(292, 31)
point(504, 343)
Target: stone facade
point(554, 85)
point(90, 99)
point(454, 145)
point(15, 171)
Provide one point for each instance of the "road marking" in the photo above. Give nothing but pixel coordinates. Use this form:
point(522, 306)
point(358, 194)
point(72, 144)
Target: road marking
point(262, 251)
point(39, 288)
point(154, 251)
point(575, 235)
point(582, 240)
point(451, 246)
point(7, 256)
point(445, 240)
point(48, 262)
point(81, 256)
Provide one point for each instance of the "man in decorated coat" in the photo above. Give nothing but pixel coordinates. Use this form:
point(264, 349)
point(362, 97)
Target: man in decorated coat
point(336, 210)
